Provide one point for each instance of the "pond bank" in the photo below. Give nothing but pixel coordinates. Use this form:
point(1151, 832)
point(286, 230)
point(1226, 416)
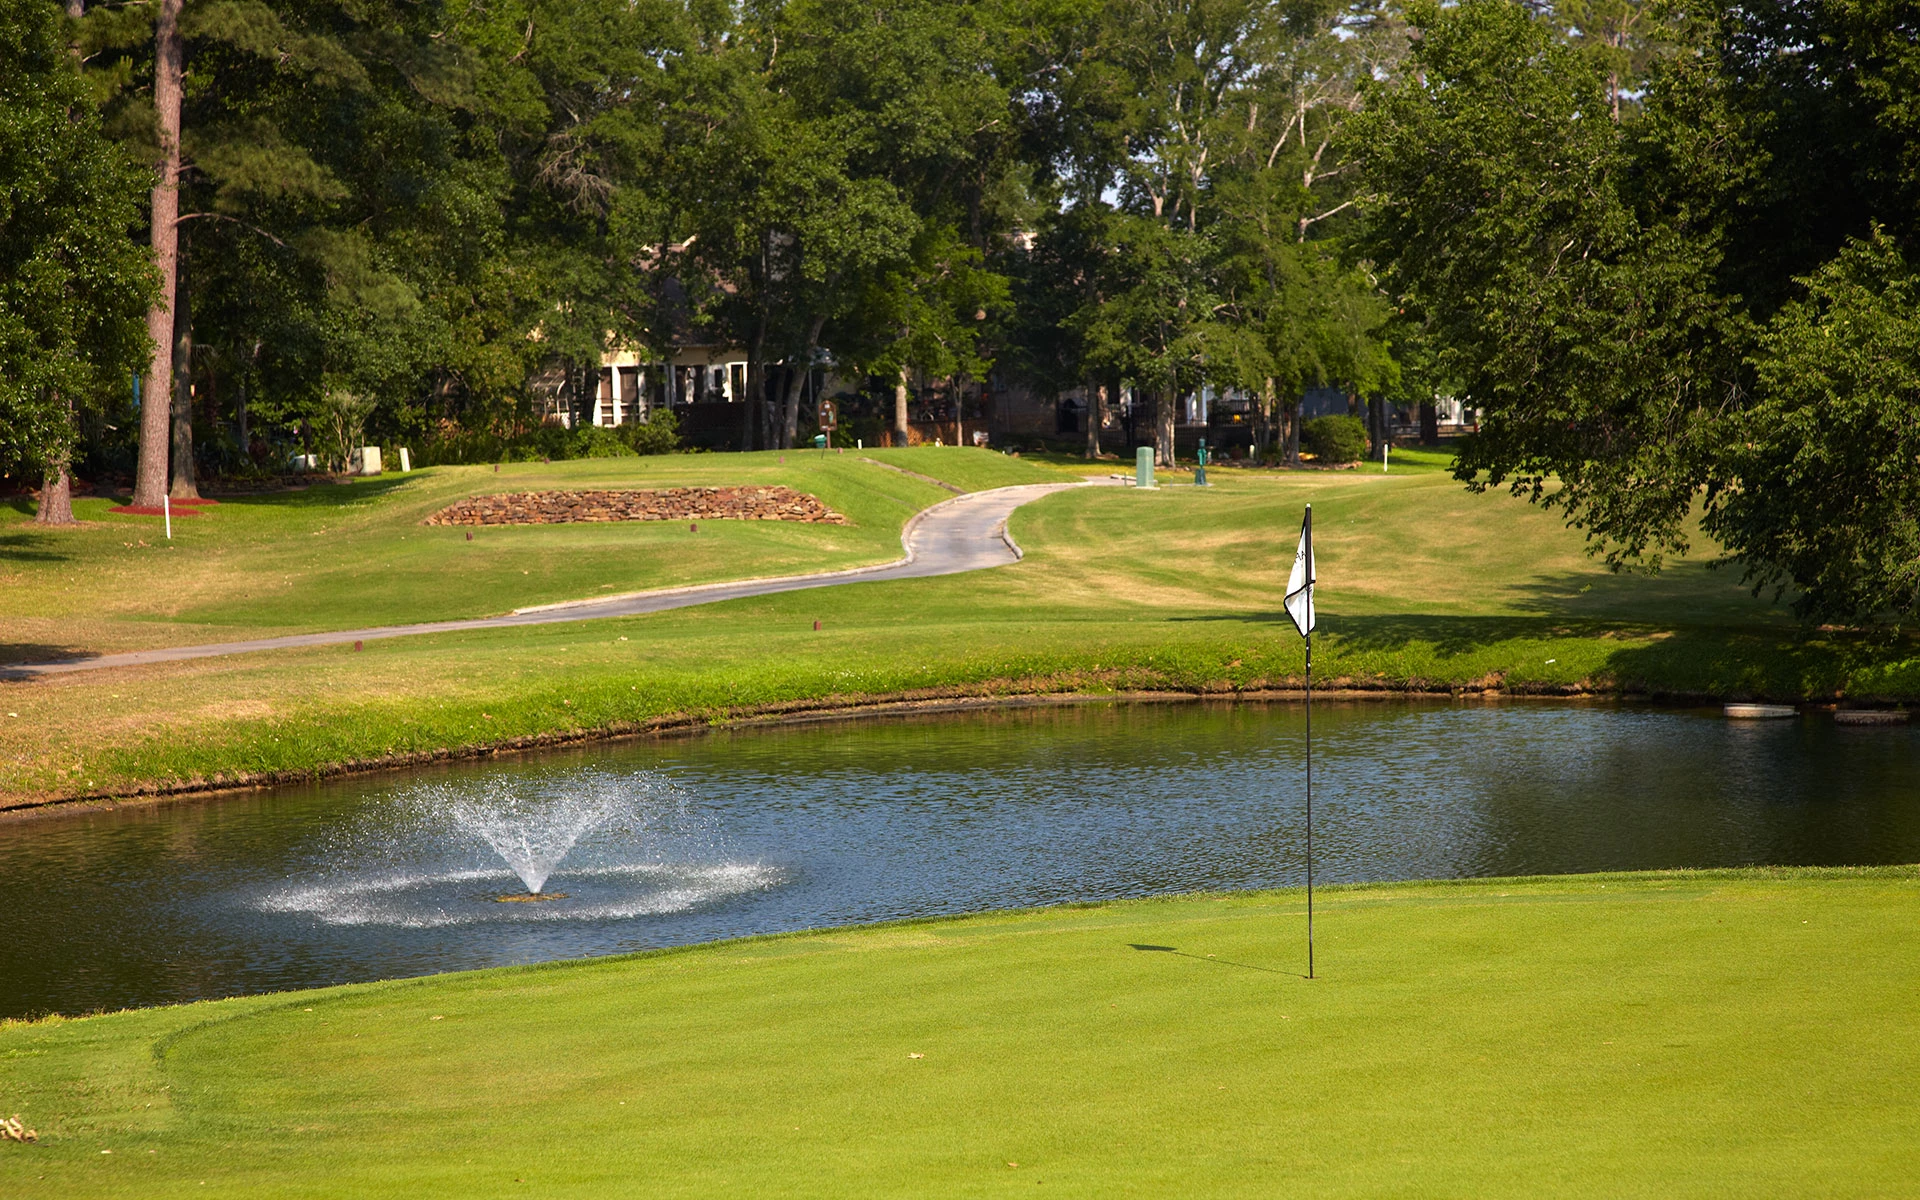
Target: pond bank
point(791, 825)
point(990, 694)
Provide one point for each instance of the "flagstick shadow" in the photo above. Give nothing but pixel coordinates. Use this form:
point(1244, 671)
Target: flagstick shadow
point(1220, 962)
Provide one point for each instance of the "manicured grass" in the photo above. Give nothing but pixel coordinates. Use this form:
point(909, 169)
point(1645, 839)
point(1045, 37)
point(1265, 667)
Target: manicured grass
point(1662, 1035)
point(355, 554)
point(1407, 459)
point(1422, 585)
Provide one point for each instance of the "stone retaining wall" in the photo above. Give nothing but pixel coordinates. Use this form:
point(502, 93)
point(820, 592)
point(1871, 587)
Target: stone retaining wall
point(662, 504)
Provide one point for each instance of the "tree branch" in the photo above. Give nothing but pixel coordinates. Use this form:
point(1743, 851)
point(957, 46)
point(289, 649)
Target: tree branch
point(182, 220)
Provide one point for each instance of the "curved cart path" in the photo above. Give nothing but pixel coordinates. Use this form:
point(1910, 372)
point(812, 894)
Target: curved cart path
point(966, 533)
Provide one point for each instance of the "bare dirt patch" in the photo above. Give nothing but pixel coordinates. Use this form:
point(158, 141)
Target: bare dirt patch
point(660, 504)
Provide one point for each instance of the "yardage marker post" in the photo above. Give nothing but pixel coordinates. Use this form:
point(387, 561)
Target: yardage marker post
point(1299, 605)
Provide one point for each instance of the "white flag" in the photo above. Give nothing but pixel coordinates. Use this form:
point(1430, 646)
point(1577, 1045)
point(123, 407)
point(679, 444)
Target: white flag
point(1300, 582)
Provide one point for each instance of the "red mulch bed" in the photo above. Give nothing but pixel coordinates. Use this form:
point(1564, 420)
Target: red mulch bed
point(662, 504)
point(181, 508)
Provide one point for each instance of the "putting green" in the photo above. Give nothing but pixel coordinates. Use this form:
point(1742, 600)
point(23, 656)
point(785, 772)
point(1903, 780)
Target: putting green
point(1685, 1034)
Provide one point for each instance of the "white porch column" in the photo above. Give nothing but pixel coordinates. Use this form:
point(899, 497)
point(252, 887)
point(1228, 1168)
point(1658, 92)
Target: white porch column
point(616, 395)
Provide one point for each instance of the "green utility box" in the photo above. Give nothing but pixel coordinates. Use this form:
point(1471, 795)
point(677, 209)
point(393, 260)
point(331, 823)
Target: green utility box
point(1143, 467)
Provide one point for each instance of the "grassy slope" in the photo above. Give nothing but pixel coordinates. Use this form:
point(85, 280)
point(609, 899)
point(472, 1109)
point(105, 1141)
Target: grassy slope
point(342, 556)
point(1421, 583)
point(1669, 1035)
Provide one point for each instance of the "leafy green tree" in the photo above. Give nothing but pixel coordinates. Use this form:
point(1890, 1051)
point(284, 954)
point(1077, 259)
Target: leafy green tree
point(1154, 323)
point(926, 316)
point(1283, 195)
point(1221, 120)
point(826, 151)
point(1065, 272)
point(1572, 293)
point(1823, 496)
point(1137, 93)
point(1621, 37)
point(418, 203)
point(73, 283)
point(1700, 307)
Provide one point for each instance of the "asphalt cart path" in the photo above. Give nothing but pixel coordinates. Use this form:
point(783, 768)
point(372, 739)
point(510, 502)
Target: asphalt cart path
point(966, 533)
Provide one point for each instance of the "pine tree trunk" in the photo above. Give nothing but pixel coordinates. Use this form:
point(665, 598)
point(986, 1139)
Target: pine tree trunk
point(1429, 424)
point(900, 431)
point(150, 480)
point(1263, 419)
point(1096, 408)
point(241, 433)
point(1292, 418)
point(1163, 413)
point(756, 384)
point(747, 401)
point(186, 481)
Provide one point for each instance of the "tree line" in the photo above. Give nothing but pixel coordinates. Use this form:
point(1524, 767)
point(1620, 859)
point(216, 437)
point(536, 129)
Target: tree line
point(1665, 250)
point(394, 214)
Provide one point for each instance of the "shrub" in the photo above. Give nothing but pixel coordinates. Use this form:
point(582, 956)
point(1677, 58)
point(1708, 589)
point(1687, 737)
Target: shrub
point(594, 442)
point(1336, 439)
point(659, 435)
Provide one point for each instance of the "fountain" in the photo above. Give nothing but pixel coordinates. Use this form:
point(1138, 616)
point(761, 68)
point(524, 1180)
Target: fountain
point(437, 854)
point(533, 823)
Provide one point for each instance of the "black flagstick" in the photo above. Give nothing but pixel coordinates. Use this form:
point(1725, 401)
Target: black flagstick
point(1309, 744)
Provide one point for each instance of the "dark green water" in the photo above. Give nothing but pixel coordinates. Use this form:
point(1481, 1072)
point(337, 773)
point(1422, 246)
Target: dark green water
point(751, 832)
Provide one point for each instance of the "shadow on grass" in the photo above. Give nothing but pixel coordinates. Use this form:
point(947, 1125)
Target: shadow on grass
point(29, 548)
point(1685, 593)
point(320, 494)
point(1218, 962)
point(15, 655)
point(1447, 635)
point(1789, 664)
point(1763, 661)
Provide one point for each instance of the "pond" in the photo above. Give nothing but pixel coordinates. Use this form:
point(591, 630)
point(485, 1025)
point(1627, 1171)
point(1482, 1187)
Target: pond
point(771, 829)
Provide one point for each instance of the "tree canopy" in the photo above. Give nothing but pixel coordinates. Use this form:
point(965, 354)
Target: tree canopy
point(1687, 306)
point(73, 286)
point(1661, 251)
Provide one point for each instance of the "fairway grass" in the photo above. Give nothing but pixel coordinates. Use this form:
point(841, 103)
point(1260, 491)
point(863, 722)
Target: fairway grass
point(1662, 1035)
point(343, 555)
point(1423, 587)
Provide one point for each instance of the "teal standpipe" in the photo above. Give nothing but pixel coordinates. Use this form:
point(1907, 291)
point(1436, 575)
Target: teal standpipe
point(1200, 466)
point(1143, 467)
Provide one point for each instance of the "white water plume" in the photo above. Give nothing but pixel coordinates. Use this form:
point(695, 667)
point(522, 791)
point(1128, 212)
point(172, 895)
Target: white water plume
point(614, 845)
point(439, 899)
point(534, 821)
